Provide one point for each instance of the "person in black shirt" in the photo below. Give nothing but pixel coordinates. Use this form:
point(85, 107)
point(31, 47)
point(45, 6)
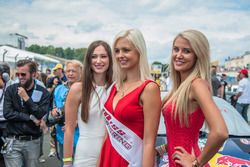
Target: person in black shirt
point(25, 104)
point(223, 86)
point(215, 81)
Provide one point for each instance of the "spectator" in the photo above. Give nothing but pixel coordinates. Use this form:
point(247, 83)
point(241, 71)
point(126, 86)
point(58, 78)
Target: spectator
point(223, 83)
point(48, 72)
point(58, 71)
point(73, 73)
point(43, 77)
point(41, 80)
point(25, 104)
point(215, 81)
point(243, 94)
point(4, 83)
point(52, 83)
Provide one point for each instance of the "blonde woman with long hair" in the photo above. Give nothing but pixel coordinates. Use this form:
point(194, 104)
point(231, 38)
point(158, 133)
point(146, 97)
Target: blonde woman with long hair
point(190, 103)
point(132, 110)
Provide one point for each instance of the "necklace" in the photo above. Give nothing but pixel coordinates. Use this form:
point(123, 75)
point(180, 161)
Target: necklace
point(125, 90)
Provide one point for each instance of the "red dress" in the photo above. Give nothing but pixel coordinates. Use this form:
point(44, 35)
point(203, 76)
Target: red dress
point(187, 137)
point(129, 112)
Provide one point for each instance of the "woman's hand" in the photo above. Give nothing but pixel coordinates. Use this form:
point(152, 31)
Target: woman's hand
point(182, 157)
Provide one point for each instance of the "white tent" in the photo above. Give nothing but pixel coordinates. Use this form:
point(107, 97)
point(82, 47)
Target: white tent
point(12, 55)
point(236, 125)
point(9, 54)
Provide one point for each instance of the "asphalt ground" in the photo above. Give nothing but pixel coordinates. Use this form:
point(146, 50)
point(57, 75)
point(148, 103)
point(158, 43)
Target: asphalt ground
point(49, 161)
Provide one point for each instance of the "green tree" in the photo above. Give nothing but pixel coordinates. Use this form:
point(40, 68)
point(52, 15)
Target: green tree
point(51, 50)
point(165, 67)
point(59, 52)
point(68, 53)
point(34, 48)
point(156, 63)
point(80, 53)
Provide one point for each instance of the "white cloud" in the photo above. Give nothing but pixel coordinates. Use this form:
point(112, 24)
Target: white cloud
point(76, 23)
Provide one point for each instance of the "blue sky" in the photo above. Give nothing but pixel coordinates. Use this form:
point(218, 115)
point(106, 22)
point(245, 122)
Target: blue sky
point(76, 23)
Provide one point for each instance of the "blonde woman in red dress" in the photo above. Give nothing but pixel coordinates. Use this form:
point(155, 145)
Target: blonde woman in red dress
point(190, 103)
point(133, 107)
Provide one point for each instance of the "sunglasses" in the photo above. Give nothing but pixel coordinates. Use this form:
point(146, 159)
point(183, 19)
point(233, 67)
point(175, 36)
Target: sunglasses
point(20, 74)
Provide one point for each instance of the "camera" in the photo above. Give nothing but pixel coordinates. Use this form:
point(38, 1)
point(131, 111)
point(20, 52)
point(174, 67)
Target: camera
point(59, 119)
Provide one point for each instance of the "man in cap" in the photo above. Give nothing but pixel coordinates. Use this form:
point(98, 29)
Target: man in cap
point(58, 71)
point(243, 93)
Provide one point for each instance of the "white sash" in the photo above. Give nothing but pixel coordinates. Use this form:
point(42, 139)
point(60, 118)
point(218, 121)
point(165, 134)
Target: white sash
point(124, 140)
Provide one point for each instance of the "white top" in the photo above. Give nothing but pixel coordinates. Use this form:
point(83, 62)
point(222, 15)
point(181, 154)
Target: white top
point(244, 87)
point(91, 133)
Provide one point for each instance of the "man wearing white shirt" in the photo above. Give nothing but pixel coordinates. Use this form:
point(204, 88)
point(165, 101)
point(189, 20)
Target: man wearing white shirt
point(243, 94)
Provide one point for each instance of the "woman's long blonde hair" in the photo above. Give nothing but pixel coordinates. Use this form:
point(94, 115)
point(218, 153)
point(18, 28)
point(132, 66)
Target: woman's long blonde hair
point(136, 38)
point(179, 94)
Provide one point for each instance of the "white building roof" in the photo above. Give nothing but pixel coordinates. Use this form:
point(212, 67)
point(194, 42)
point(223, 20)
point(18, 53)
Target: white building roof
point(13, 55)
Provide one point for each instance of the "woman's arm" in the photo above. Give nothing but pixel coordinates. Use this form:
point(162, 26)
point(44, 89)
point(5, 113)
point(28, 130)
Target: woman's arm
point(217, 127)
point(104, 138)
point(151, 102)
point(71, 109)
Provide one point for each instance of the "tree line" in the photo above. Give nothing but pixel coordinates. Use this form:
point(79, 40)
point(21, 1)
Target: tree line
point(71, 53)
point(67, 53)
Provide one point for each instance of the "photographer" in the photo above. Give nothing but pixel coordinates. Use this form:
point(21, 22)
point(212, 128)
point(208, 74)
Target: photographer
point(73, 74)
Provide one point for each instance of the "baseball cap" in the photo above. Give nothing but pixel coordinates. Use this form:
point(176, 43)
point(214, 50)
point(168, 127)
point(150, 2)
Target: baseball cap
point(58, 66)
point(244, 71)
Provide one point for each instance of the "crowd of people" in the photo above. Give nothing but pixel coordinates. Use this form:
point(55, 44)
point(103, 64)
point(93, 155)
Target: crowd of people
point(241, 98)
point(105, 111)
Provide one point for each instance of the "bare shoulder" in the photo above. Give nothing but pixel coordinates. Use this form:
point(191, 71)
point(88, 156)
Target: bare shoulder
point(76, 87)
point(152, 87)
point(199, 84)
point(200, 87)
point(151, 90)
